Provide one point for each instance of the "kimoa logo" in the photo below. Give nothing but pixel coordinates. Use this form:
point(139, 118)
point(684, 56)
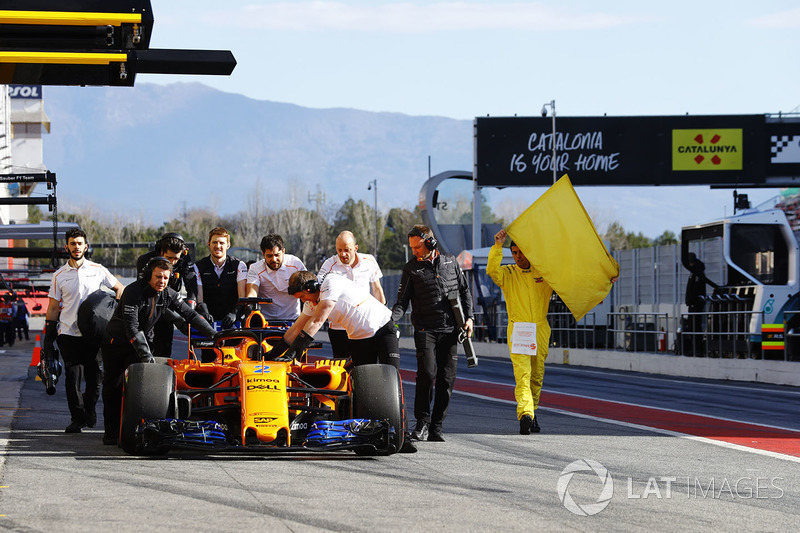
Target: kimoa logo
point(606, 492)
point(710, 149)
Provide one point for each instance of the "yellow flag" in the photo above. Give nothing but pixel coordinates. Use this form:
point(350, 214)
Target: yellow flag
point(558, 238)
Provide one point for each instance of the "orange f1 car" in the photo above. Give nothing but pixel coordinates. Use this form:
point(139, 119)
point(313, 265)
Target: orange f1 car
point(241, 401)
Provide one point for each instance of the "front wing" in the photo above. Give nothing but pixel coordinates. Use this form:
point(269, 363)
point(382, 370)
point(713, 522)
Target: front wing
point(161, 435)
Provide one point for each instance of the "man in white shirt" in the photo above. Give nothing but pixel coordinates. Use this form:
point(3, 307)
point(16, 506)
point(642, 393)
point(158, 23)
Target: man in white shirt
point(70, 286)
point(361, 268)
point(368, 323)
point(221, 279)
point(269, 278)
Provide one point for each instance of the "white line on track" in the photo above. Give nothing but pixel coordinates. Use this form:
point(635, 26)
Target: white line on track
point(723, 444)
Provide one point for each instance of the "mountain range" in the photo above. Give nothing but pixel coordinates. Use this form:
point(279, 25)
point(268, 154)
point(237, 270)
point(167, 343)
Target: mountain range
point(153, 150)
point(148, 153)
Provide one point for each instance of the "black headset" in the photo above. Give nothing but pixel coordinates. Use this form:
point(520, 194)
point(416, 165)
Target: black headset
point(147, 271)
point(311, 286)
point(172, 235)
point(429, 240)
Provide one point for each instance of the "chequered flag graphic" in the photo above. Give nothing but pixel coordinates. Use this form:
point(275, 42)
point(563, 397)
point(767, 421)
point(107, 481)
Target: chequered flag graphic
point(785, 149)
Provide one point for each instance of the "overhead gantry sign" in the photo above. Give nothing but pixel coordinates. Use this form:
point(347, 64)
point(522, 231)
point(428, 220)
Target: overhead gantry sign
point(91, 42)
point(716, 150)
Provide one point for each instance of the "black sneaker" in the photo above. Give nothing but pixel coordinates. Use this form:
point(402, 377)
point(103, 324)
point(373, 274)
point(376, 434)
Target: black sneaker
point(91, 420)
point(421, 431)
point(74, 427)
point(435, 435)
point(525, 424)
point(408, 446)
point(535, 428)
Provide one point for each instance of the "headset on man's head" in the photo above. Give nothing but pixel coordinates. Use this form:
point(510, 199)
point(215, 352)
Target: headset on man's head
point(311, 286)
point(430, 241)
point(147, 271)
point(172, 235)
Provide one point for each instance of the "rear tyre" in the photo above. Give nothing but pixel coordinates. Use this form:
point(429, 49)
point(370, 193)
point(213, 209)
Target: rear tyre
point(147, 393)
point(378, 395)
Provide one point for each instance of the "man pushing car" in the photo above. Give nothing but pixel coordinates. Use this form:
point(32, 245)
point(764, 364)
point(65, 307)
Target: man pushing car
point(373, 337)
point(129, 333)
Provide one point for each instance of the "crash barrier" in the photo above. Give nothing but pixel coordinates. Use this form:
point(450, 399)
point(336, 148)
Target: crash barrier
point(720, 331)
point(566, 332)
point(37, 352)
point(638, 332)
point(723, 334)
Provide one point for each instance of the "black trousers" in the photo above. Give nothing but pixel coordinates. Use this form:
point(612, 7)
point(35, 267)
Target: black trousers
point(339, 343)
point(383, 347)
point(437, 360)
point(162, 338)
point(117, 356)
point(7, 333)
point(81, 362)
point(22, 329)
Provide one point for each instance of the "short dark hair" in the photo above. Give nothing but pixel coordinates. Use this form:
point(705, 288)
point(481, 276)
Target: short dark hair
point(273, 240)
point(173, 244)
point(298, 279)
point(154, 263)
point(513, 244)
point(74, 233)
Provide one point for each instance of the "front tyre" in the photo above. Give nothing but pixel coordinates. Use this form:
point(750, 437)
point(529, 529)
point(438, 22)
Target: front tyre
point(378, 395)
point(147, 393)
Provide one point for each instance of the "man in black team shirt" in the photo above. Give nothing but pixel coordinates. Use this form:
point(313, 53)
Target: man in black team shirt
point(221, 279)
point(172, 247)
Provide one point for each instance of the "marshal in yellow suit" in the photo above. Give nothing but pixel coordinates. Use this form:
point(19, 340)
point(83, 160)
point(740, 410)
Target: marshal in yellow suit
point(527, 297)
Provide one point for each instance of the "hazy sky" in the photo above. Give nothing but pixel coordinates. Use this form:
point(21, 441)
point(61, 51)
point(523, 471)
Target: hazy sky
point(476, 58)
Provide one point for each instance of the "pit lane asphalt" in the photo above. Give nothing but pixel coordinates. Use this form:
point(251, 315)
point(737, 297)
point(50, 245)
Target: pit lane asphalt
point(485, 477)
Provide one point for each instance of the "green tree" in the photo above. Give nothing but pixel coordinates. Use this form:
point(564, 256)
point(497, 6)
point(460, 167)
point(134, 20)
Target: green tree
point(618, 239)
point(665, 238)
point(359, 218)
point(394, 241)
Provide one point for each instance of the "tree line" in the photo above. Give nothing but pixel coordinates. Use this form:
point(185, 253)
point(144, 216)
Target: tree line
point(308, 233)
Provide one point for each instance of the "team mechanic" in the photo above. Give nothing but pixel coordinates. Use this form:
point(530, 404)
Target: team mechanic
point(426, 281)
point(221, 279)
point(71, 285)
point(372, 335)
point(527, 298)
point(129, 333)
point(171, 246)
point(361, 268)
point(269, 278)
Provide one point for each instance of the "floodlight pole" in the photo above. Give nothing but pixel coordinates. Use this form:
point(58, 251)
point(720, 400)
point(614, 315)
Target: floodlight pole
point(374, 185)
point(552, 106)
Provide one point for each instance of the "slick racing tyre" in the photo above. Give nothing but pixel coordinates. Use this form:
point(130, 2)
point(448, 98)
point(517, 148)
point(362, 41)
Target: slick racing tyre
point(378, 395)
point(147, 393)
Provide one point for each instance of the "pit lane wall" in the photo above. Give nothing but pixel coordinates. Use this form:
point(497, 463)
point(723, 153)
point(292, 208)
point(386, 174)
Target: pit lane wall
point(756, 370)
